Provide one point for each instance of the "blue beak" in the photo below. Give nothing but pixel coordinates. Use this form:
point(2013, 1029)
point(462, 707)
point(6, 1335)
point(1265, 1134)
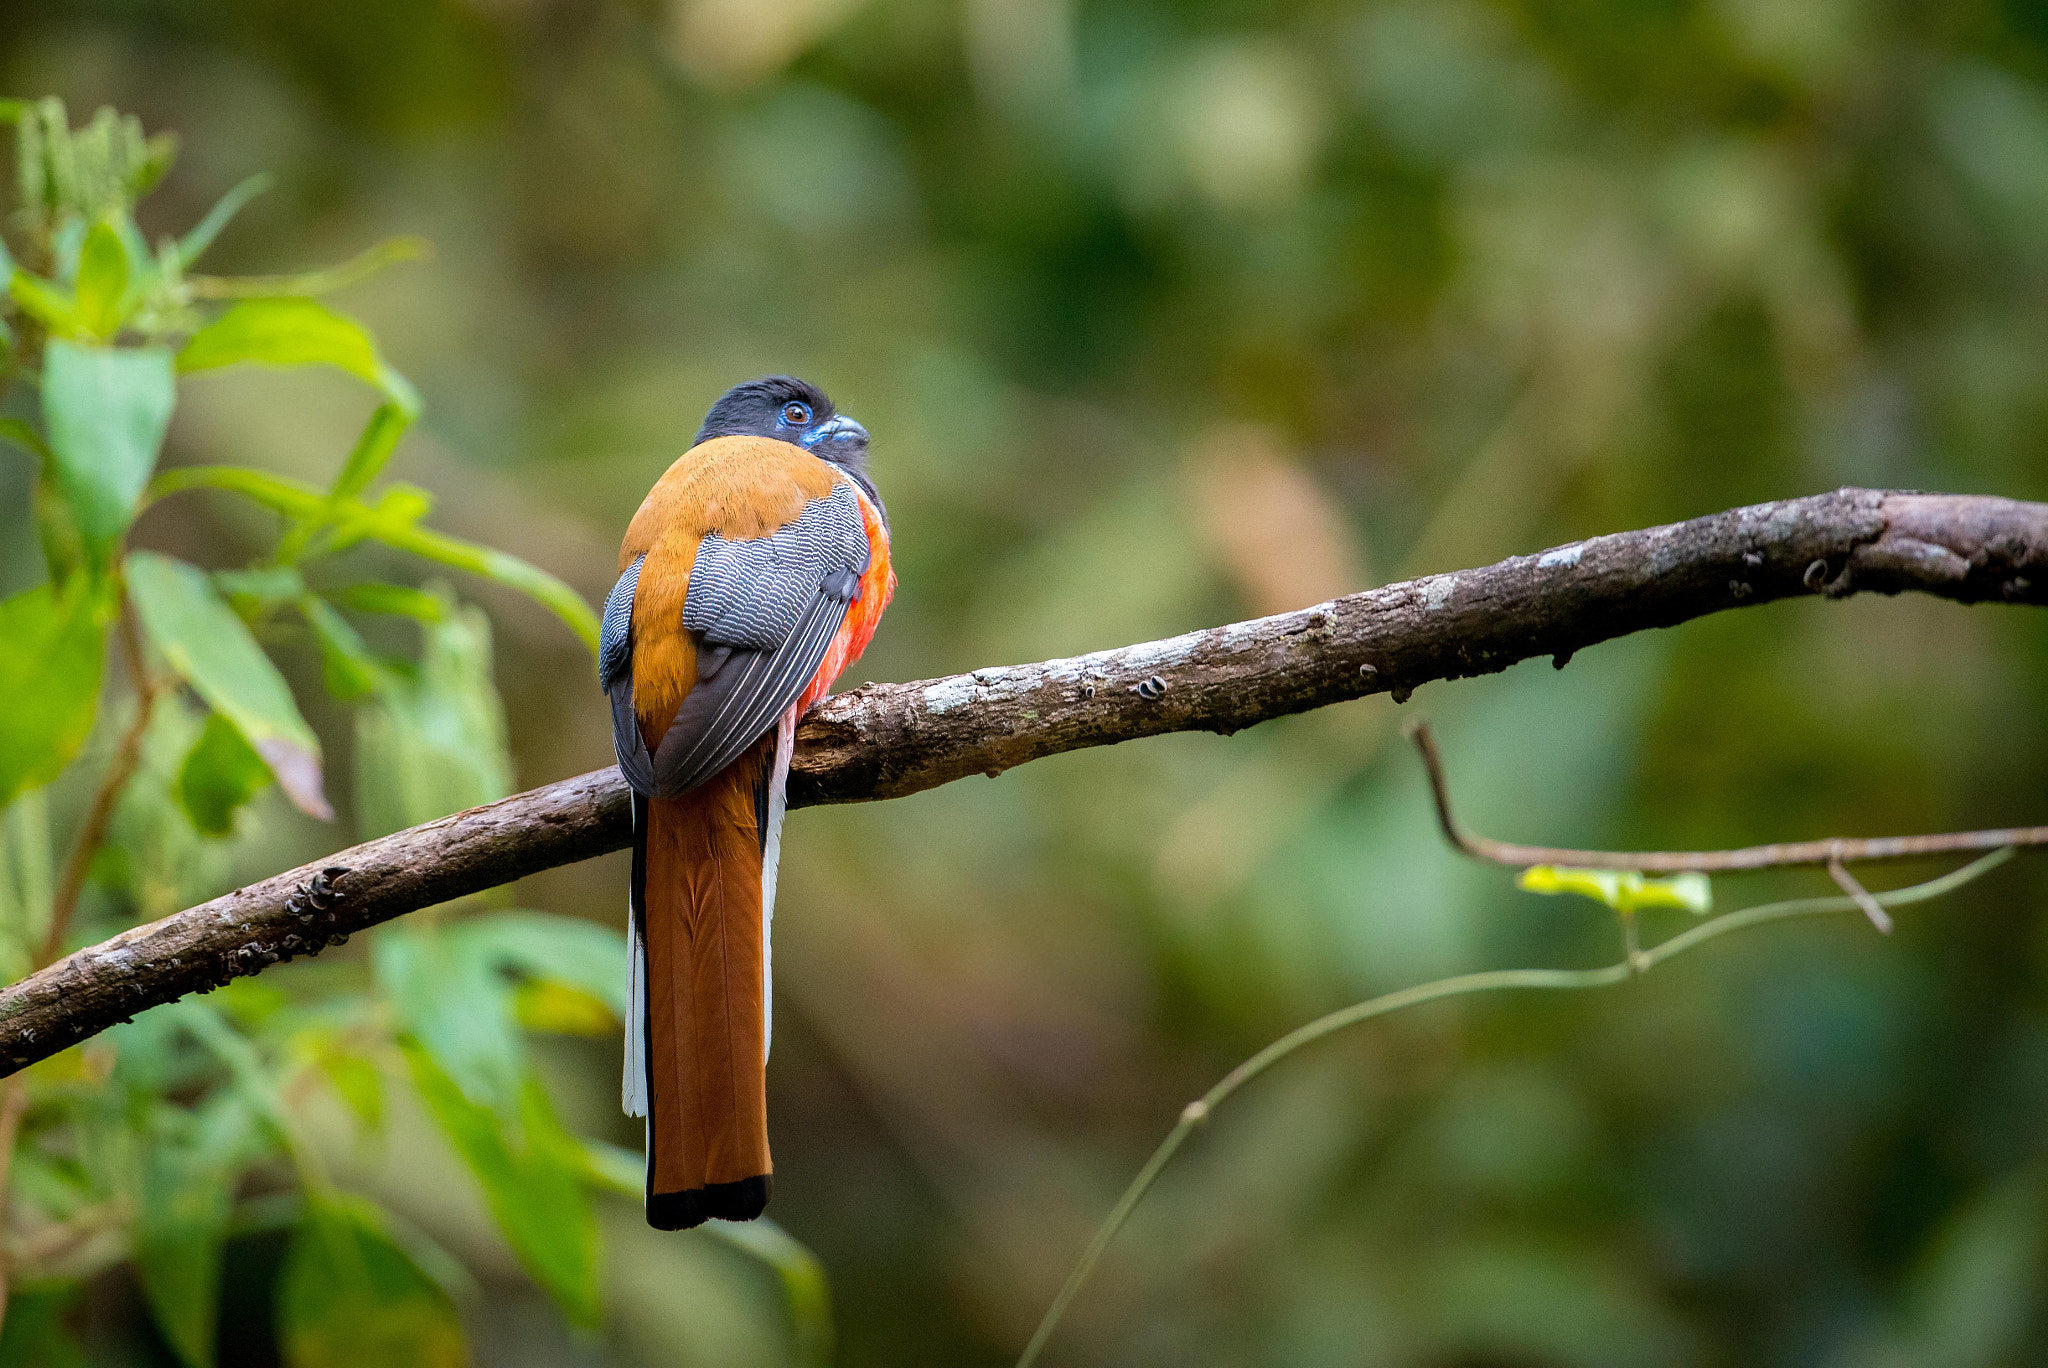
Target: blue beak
point(841, 429)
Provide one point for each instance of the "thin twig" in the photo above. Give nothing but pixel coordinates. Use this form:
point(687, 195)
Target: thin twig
point(92, 834)
point(1847, 882)
point(1201, 1109)
point(1834, 850)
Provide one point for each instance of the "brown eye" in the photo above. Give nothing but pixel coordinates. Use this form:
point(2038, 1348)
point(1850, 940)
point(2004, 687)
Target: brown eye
point(795, 414)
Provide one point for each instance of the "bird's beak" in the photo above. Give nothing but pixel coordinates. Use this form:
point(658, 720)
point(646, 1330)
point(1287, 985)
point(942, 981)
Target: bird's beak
point(840, 432)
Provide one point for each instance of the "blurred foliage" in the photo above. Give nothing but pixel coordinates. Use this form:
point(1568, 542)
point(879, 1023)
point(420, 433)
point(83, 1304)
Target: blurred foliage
point(1162, 314)
point(144, 1145)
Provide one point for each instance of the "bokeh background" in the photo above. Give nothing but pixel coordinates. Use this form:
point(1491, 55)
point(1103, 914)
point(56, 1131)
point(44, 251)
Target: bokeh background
point(1165, 314)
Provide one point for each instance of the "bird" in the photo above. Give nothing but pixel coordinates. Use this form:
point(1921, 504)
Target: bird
point(754, 572)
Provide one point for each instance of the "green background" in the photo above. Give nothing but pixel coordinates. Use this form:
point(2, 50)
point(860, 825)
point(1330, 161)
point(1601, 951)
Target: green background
point(1165, 314)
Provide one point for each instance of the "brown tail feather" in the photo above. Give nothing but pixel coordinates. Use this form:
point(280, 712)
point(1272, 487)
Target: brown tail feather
point(707, 1133)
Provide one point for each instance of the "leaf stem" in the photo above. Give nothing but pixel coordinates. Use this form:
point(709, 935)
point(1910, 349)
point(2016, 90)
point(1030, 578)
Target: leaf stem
point(92, 834)
point(365, 263)
point(1199, 1111)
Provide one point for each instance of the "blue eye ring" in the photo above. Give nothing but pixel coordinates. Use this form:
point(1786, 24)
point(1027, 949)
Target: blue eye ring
point(796, 414)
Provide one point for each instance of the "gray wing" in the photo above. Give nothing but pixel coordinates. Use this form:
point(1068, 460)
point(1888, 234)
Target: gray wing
point(614, 639)
point(764, 611)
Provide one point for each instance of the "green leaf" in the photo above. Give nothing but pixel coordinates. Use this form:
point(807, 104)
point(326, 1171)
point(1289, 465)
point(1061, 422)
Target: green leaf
point(221, 773)
point(186, 1196)
point(452, 997)
point(193, 245)
point(802, 1274)
point(551, 1008)
point(27, 438)
point(280, 493)
point(105, 410)
point(102, 281)
point(260, 586)
point(357, 1082)
point(398, 599)
point(295, 332)
point(63, 548)
point(48, 304)
point(1624, 890)
point(547, 948)
point(434, 741)
point(211, 649)
point(52, 647)
point(346, 665)
point(35, 1335)
point(350, 1297)
point(805, 1287)
point(532, 1177)
point(392, 520)
point(454, 989)
point(27, 881)
point(372, 450)
point(231, 1048)
point(537, 584)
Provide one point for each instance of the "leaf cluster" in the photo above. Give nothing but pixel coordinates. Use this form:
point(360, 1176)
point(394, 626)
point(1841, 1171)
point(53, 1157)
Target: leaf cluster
point(178, 1132)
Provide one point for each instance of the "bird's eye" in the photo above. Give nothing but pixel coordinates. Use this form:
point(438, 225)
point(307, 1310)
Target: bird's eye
point(795, 414)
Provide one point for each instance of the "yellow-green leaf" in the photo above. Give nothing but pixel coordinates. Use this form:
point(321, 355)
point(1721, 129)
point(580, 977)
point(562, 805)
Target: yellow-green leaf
point(1624, 890)
point(295, 332)
point(102, 281)
point(558, 1009)
point(50, 305)
point(212, 650)
point(350, 1297)
point(52, 646)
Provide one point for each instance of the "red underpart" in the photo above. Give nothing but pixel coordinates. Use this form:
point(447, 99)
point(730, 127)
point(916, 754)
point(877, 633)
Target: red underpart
point(877, 587)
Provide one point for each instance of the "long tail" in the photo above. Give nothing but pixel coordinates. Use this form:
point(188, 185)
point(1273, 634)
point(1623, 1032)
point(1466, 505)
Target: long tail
point(699, 987)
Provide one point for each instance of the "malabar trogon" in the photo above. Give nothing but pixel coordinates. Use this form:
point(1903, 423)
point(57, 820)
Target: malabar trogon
point(753, 574)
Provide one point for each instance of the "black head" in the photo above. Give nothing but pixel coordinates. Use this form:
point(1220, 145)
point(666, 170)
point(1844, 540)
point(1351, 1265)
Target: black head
point(788, 410)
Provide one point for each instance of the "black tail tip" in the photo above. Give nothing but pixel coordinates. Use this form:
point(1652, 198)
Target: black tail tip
point(740, 1201)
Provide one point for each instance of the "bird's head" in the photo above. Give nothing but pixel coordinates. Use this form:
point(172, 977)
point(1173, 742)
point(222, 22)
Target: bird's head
point(789, 410)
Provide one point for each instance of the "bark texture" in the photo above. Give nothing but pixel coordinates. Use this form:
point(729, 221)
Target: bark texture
point(889, 740)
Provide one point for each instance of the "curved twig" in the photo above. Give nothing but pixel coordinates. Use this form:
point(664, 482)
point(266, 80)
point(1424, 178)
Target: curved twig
point(1198, 1112)
point(1834, 852)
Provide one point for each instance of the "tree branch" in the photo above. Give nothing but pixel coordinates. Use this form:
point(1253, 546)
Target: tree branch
point(1835, 852)
point(889, 740)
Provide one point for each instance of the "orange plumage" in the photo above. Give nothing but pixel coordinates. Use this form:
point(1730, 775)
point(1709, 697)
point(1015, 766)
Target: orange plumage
point(736, 487)
point(700, 854)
